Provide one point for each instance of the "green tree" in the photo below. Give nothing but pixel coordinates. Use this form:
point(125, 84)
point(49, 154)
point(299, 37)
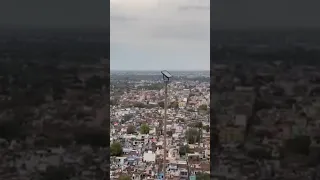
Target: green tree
point(144, 129)
point(131, 129)
point(183, 150)
point(198, 125)
point(193, 135)
point(114, 102)
point(116, 149)
point(207, 128)
point(124, 177)
point(181, 120)
point(139, 105)
point(203, 107)
point(174, 105)
point(161, 104)
point(203, 176)
point(127, 117)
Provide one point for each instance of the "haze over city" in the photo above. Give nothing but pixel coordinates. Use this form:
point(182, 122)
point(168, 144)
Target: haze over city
point(154, 35)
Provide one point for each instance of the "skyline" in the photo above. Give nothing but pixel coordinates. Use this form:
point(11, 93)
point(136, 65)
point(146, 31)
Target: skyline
point(160, 34)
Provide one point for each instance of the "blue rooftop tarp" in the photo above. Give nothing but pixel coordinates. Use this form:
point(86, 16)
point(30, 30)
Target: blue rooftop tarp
point(160, 176)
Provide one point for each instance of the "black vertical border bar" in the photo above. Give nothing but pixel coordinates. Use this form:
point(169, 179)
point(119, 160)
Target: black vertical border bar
point(211, 112)
point(107, 92)
point(213, 132)
point(106, 69)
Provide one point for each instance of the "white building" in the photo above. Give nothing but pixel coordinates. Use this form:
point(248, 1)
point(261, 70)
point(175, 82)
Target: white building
point(149, 156)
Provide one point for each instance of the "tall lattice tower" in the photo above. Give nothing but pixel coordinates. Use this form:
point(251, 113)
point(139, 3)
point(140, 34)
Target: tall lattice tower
point(127, 85)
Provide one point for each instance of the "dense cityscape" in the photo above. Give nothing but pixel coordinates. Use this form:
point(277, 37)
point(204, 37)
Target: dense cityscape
point(64, 115)
point(137, 116)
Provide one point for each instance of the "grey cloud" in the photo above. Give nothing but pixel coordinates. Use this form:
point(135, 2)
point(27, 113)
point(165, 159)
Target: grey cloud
point(184, 32)
point(176, 30)
point(186, 8)
point(122, 18)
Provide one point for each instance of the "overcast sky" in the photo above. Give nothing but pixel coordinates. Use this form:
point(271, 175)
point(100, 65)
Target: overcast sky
point(225, 13)
point(160, 34)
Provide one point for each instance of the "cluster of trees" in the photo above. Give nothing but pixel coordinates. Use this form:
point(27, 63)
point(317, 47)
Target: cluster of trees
point(155, 86)
point(131, 129)
point(142, 105)
point(200, 126)
point(127, 117)
point(196, 125)
point(161, 104)
point(203, 108)
point(144, 129)
point(181, 120)
point(169, 133)
point(124, 177)
point(183, 150)
point(203, 176)
point(193, 135)
point(139, 105)
point(114, 102)
point(116, 149)
point(174, 104)
point(207, 128)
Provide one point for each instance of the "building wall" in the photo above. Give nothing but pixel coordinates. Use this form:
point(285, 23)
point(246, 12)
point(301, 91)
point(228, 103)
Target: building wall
point(149, 157)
